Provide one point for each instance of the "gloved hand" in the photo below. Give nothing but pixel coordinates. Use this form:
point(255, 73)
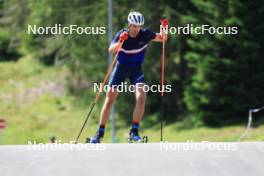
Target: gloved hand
point(123, 37)
point(164, 22)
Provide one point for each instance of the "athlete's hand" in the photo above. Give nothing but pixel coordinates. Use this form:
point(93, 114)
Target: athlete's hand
point(123, 37)
point(164, 22)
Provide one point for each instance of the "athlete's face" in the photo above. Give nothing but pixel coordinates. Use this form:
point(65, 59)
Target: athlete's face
point(134, 29)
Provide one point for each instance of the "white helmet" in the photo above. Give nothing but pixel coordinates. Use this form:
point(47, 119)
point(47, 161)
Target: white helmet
point(135, 18)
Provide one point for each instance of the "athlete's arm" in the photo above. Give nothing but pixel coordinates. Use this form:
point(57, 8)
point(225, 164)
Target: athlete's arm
point(113, 48)
point(159, 37)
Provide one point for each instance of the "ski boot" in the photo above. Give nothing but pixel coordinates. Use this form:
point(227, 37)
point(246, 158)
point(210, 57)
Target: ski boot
point(96, 138)
point(134, 137)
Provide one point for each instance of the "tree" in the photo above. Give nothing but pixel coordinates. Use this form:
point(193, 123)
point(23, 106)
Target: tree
point(218, 89)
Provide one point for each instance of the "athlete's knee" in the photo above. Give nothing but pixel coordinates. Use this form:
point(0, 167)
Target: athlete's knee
point(110, 99)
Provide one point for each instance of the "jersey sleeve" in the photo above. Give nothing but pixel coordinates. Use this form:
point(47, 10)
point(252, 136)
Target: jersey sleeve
point(116, 38)
point(149, 35)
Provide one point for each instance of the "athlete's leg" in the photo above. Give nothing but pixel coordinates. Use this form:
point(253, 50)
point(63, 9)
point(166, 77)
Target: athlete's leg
point(138, 113)
point(137, 78)
point(116, 78)
point(139, 109)
point(108, 103)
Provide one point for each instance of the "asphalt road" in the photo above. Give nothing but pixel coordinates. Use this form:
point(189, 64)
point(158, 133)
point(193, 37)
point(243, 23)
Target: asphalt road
point(182, 159)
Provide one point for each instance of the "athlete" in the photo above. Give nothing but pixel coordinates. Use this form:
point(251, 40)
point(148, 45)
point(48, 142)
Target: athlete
point(131, 43)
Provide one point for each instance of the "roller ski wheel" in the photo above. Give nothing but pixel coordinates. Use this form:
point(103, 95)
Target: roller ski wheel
point(144, 139)
point(95, 139)
point(88, 140)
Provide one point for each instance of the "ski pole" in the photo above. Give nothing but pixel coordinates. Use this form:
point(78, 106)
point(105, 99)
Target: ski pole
point(164, 23)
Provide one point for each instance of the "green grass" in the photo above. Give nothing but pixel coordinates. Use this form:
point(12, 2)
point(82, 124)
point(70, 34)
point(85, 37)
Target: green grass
point(35, 116)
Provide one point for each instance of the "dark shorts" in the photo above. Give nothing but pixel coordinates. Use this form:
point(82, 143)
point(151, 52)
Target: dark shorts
point(121, 72)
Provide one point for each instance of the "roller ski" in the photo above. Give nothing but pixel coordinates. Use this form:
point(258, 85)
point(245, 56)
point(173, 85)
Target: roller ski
point(96, 139)
point(135, 138)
